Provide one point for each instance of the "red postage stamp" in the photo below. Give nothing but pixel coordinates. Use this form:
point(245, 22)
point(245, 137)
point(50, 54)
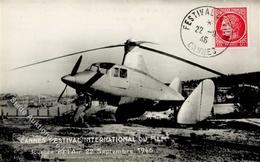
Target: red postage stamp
point(231, 27)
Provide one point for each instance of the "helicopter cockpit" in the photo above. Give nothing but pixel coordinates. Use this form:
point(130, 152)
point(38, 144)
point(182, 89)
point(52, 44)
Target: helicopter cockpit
point(101, 67)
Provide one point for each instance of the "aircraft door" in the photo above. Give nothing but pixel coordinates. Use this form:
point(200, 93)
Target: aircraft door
point(119, 77)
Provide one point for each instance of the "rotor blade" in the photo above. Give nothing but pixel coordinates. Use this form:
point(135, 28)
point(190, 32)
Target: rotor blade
point(181, 59)
point(76, 66)
point(130, 44)
point(141, 42)
point(71, 54)
point(62, 93)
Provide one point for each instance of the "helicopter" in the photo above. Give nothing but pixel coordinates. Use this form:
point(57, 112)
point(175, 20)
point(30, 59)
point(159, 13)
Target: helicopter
point(133, 90)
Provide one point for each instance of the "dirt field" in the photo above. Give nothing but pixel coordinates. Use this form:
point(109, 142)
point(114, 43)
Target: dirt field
point(139, 140)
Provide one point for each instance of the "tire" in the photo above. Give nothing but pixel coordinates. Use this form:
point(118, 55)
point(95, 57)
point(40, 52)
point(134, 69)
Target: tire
point(127, 111)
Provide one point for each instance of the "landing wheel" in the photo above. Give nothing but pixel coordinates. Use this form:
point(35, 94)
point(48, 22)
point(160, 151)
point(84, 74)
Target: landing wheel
point(175, 112)
point(83, 99)
point(120, 115)
point(125, 112)
point(83, 103)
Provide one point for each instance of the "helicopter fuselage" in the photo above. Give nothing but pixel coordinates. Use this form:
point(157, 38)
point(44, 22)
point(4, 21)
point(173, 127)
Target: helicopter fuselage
point(109, 79)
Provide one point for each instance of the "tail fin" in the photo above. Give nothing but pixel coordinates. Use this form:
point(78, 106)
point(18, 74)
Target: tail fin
point(176, 85)
point(198, 105)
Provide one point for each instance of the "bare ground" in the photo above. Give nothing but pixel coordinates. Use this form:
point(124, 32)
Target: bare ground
point(217, 141)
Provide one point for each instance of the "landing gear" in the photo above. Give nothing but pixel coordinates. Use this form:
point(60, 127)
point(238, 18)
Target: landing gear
point(83, 103)
point(127, 111)
point(83, 99)
point(173, 116)
point(175, 112)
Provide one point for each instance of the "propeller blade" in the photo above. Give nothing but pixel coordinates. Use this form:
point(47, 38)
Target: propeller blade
point(182, 59)
point(62, 93)
point(76, 66)
point(67, 55)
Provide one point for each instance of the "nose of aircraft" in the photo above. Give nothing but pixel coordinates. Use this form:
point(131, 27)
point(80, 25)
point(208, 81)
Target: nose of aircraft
point(68, 79)
point(79, 79)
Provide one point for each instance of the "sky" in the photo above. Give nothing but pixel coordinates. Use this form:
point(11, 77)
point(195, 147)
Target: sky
point(34, 30)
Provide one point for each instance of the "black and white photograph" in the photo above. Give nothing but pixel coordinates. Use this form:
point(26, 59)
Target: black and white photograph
point(129, 80)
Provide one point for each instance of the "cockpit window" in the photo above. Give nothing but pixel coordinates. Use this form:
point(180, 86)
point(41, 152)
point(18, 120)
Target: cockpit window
point(119, 72)
point(93, 68)
point(123, 73)
point(116, 72)
point(103, 71)
point(100, 67)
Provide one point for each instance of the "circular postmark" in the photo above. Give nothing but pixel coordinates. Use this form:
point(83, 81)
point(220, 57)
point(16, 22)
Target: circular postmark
point(198, 32)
